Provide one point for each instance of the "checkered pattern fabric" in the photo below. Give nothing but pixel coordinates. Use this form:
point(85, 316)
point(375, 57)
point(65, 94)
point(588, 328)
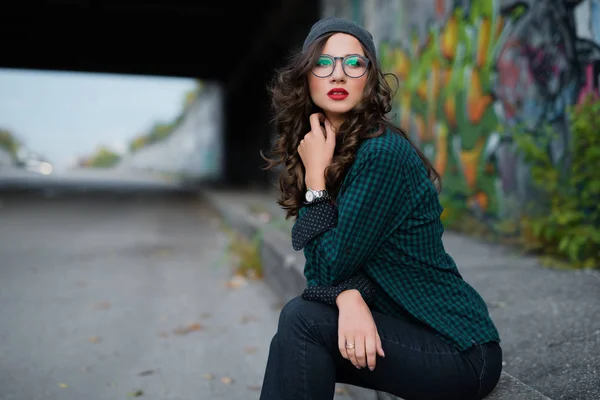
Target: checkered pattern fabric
point(388, 226)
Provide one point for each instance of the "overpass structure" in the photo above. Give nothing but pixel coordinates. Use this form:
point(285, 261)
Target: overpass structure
point(234, 45)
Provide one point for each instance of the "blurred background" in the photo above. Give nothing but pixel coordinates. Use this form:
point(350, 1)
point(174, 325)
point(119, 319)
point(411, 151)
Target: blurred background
point(73, 129)
point(121, 120)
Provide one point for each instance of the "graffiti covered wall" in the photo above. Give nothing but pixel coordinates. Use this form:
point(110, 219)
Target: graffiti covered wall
point(471, 71)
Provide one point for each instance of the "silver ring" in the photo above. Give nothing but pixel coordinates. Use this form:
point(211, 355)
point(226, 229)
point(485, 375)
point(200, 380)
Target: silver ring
point(349, 345)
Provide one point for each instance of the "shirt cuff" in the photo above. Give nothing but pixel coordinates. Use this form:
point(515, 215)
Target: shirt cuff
point(317, 218)
point(329, 294)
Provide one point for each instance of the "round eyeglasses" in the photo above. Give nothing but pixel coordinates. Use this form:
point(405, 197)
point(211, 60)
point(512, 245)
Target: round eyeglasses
point(353, 65)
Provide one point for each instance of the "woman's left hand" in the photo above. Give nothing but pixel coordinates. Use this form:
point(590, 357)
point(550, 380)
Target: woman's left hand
point(356, 326)
point(317, 147)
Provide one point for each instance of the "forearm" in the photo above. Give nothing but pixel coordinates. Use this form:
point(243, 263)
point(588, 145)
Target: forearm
point(328, 294)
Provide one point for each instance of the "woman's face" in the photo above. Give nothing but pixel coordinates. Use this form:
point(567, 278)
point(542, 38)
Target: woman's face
point(338, 93)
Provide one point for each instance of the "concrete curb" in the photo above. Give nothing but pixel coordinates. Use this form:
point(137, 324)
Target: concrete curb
point(283, 271)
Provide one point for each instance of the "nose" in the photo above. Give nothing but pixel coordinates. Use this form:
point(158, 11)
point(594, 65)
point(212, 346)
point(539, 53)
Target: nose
point(338, 74)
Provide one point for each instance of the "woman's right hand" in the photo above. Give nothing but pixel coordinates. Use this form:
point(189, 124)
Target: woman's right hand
point(357, 326)
point(316, 150)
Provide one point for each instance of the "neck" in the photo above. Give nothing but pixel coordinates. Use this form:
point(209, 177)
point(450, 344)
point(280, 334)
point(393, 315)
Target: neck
point(336, 120)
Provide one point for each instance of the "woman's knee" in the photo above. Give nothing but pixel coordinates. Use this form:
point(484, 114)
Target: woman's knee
point(302, 313)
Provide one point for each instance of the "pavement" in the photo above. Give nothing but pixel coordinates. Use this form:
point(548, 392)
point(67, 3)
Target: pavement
point(120, 296)
point(107, 296)
point(549, 320)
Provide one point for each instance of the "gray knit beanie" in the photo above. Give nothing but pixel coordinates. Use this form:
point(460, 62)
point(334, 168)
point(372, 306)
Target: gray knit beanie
point(334, 24)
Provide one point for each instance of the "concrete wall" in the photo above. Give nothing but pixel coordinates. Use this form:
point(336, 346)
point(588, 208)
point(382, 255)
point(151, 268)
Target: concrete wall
point(471, 70)
point(6, 158)
point(195, 147)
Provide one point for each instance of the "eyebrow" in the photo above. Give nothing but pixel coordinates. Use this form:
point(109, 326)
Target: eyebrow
point(345, 55)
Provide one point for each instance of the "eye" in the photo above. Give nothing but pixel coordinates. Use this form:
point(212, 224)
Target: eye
point(355, 61)
point(323, 62)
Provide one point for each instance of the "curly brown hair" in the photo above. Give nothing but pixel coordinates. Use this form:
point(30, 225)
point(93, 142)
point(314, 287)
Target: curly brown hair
point(293, 106)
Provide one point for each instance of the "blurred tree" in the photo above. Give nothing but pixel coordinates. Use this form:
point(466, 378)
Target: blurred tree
point(191, 95)
point(102, 158)
point(159, 131)
point(137, 143)
point(162, 130)
point(8, 142)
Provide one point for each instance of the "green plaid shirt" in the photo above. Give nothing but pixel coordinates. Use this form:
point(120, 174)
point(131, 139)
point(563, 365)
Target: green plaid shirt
point(386, 223)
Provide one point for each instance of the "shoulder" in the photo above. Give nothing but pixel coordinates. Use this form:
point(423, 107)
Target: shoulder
point(390, 146)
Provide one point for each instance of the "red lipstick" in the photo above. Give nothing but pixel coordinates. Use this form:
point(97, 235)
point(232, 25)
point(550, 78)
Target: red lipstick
point(337, 94)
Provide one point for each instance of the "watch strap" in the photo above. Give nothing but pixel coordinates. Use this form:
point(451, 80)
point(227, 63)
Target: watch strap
point(322, 195)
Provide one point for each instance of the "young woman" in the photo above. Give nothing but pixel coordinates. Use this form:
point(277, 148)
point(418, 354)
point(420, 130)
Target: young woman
point(385, 307)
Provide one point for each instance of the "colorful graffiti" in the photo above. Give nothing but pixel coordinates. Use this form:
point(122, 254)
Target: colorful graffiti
point(482, 68)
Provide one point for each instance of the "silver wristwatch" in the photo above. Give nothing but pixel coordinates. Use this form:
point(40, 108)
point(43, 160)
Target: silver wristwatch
point(312, 195)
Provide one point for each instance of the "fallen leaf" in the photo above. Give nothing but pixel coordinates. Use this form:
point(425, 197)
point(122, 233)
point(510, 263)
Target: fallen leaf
point(226, 380)
point(137, 393)
point(341, 390)
point(94, 339)
point(187, 329)
point(105, 305)
point(255, 388)
point(250, 349)
point(252, 275)
point(163, 253)
point(63, 385)
point(236, 282)
point(146, 373)
point(249, 318)
point(208, 377)
point(496, 304)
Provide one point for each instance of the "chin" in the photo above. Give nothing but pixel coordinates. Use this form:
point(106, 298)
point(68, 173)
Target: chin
point(337, 108)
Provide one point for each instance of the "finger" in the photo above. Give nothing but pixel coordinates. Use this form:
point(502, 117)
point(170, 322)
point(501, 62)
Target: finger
point(360, 352)
point(379, 346)
point(371, 351)
point(342, 346)
point(352, 353)
point(315, 123)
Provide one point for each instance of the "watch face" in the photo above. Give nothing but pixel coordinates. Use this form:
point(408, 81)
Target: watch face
point(309, 196)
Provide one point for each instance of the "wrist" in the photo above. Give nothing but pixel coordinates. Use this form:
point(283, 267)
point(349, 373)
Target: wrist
point(348, 297)
point(315, 180)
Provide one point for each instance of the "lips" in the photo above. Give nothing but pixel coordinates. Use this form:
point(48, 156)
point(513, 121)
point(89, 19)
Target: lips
point(337, 94)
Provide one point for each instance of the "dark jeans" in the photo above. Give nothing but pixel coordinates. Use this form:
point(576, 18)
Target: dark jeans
point(305, 362)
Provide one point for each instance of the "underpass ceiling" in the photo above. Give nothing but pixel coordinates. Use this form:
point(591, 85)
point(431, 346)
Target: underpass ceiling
point(209, 40)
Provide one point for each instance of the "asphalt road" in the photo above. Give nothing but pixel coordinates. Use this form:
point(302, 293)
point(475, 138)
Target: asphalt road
point(86, 179)
point(122, 296)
